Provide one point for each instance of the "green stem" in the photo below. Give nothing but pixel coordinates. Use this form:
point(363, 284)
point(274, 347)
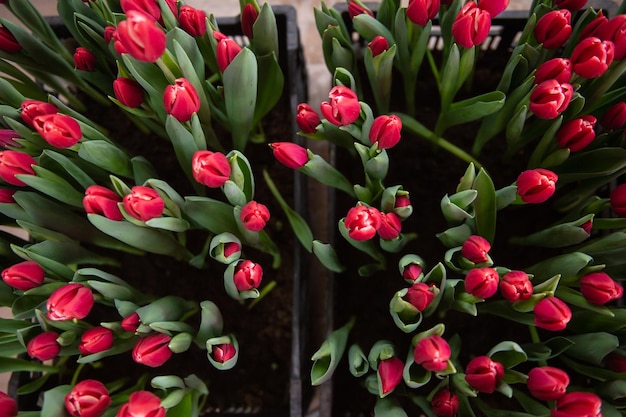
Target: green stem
point(264, 291)
point(534, 336)
point(76, 374)
point(603, 84)
point(169, 75)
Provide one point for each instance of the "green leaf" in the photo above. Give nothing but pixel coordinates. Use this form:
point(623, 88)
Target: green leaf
point(592, 164)
point(54, 401)
point(327, 357)
point(270, 84)
point(49, 183)
point(265, 32)
point(17, 365)
point(106, 156)
point(326, 254)
point(368, 27)
point(592, 347)
point(474, 108)
point(240, 86)
point(485, 206)
point(69, 166)
point(213, 215)
point(388, 407)
point(567, 265)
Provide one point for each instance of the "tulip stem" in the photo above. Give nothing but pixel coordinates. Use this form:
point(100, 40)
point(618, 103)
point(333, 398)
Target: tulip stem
point(534, 336)
point(77, 373)
point(264, 291)
point(169, 75)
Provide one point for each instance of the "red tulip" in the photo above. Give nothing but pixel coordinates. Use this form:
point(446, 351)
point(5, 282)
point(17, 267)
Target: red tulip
point(181, 100)
point(390, 374)
point(552, 314)
point(577, 134)
point(131, 322)
point(142, 404)
point(559, 69)
point(482, 282)
point(223, 353)
point(615, 116)
point(141, 37)
point(419, 295)
point(362, 222)
point(226, 50)
point(128, 92)
point(471, 25)
point(8, 406)
point(411, 273)
point(445, 403)
point(247, 276)
point(8, 43)
point(6, 196)
point(88, 398)
point(290, 154)
point(571, 5)
point(109, 32)
point(343, 108)
point(378, 45)
point(249, 15)
point(591, 57)
point(614, 30)
point(432, 352)
point(547, 383)
point(71, 301)
point(356, 8)
point(476, 249)
point(152, 350)
point(44, 346)
point(210, 168)
point(494, 7)
point(254, 216)
point(578, 404)
point(421, 11)
point(33, 108)
point(7, 137)
point(143, 203)
point(554, 28)
point(617, 199)
point(535, 186)
point(484, 374)
point(516, 286)
point(390, 226)
point(615, 362)
point(550, 98)
point(13, 163)
point(103, 201)
point(599, 288)
point(307, 118)
point(84, 59)
point(192, 20)
point(385, 131)
point(59, 130)
point(96, 339)
point(148, 7)
point(24, 275)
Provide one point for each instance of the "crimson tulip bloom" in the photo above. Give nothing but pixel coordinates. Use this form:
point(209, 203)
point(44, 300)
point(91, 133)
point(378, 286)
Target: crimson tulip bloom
point(71, 301)
point(96, 339)
point(13, 163)
point(44, 346)
point(343, 108)
point(385, 131)
point(615, 362)
point(247, 276)
point(362, 222)
point(142, 404)
point(84, 59)
point(128, 92)
point(614, 30)
point(516, 286)
point(109, 32)
point(356, 8)
point(8, 406)
point(390, 374)
point(143, 203)
point(290, 154)
point(419, 295)
point(307, 118)
point(554, 28)
point(390, 226)
point(223, 353)
point(617, 199)
point(559, 69)
point(103, 201)
point(615, 116)
point(24, 275)
point(571, 5)
point(471, 25)
point(421, 11)
point(482, 282)
point(378, 45)
point(577, 134)
point(599, 288)
point(33, 108)
point(552, 314)
point(494, 7)
point(6, 196)
point(254, 216)
point(7, 137)
point(131, 322)
point(432, 353)
point(484, 374)
point(8, 43)
point(547, 383)
point(151, 8)
point(59, 130)
point(152, 350)
point(249, 15)
point(141, 37)
point(550, 98)
point(181, 100)
point(192, 20)
point(592, 56)
point(210, 168)
point(445, 403)
point(575, 404)
point(411, 273)
point(535, 186)
point(226, 50)
point(88, 398)
point(476, 249)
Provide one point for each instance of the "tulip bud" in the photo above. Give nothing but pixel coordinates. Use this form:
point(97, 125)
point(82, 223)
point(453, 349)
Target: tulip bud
point(141, 37)
point(355, 8)
point(100, 200)
point(535, 186)
point(226, 50)
point(7, 136)
point(307, 118)
point(390, 374)
point(131, 322)
point(24, 275)
point(591, 57)
point(385, 131)
point(128, 92)
point(223, 352)
point(482, 282)
point(152, 350)
point(571, 5)
point(193, 21)
point(574, 404)
point(516, 286)
point(59, 130)
point(615, 362)
point(142, 403)
point(289, 154)
point(254, 216)
point(412, 272)
point(84, 59)
point(6, 196)
point(8, 43)
point(33, 108)
point(148, 7)
point(494, 7)
point(554, 28)
point(225, 248)
point(210, 168)
point(44, 346)
point(599, 288)
point(247, 276)
point(484, 374)
point(143, 203)
point(432, 352)
point(421, 11)
point(343, 108)
point(577, 134)
point(420, 296)
point(614, 30)
point(13, 163)
point(552, 314)
point(559, 69)
point(471, 25)
point(88, 398)
point(476, 249)
point(181, 100)
point(96, 339)
point(362, 222)
point(550, 98)
point(402, 205)
point(378, 45)
point(445, 403)
point(547, 383)
point(390, 226)
point(8, 406)
point(615, 116)
point(617, 199)
point(71, 301)
point(109, 31)
point(249, 15)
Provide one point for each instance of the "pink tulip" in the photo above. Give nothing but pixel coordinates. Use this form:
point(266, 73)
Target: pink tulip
point(143, 203)
point(537, 185)
point(152, 350)
point(248, 275)
point(59, 130)
point(433, 353)
point(210, 168)
point(88, 398)
point(44, 346)
point(142, 404)
point(71, 301)
point(103, 201)
point(362, 222)
point(24, 275)
point(254, 216)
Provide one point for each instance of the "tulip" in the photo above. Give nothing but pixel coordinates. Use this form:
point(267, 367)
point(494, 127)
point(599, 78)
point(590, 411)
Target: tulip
point(33, 108)
point(390, 374)
point(599, 288)
point(432, 352)
point(421, 11)
point(254, 216)
point(13, 163)
point(494, 7)
point(24, 275)
point(378, 45)
point(615, 116)
point(44, 346)
point(402, 205)
point(571, 5)
point(117, 45)
point(141, 37)
point(476, 249)
point(131, 322)
point(362, 222)
point(247, 276)
point(547, 383)
point(592, 57)
point(535, 186)
point(223, 352)
point(587, 226)
point(226, 50)
point(8, 43)
point(615, 362)
point(192, 20)
point(412, 272)
point(6, 196)
point(148, 7)
point(617, 199)
point(552, 314)
point(578, 404)
point(84, 59)
point(445, 403)
point(343, 108)
point(307, 118)
point(152, 350)
point(614, 30)
point(88, 398)
point(484, 374)
point(71, 301)
point(471, 25)
point(143, 203)
point(550, 98)
point(482, 282)
point(181, 100)
point(7, 136)
point(289, 154)
point(128, 92)
point(355, 8)
point(554, 28)
point(593, 27)
point(390, 226)
point(103, 201)
point(577, 134)
point(59, 130)
point(385, 131)
point(559, 69)
point(516, 286)
point(109, 32)
point(210, 168)
point(142, 404)
point(231, 248)
point(8, 406)
point(96, 339)
point(420, 296)
point(249, 15)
